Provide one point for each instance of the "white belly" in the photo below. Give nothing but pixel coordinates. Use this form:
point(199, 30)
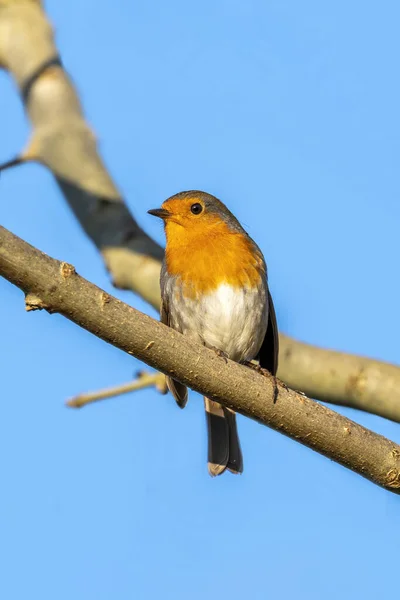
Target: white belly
point(233, 320)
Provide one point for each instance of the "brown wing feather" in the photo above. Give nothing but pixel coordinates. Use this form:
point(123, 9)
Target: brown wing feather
point(268, 355)
point(177, 389)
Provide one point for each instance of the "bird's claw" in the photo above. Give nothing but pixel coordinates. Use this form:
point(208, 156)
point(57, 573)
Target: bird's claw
point(277, 382)
point(220, 353)
point(256, 367)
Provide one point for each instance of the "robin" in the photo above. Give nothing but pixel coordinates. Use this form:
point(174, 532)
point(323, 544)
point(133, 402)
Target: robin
point(214, 289)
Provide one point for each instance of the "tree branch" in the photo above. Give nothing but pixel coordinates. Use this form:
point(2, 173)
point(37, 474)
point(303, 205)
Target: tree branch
point(63, 141)
point(144, 380)
point(340, 378)
point(56, 287)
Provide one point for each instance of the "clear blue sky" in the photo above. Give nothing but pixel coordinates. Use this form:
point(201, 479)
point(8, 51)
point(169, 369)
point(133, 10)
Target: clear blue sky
point(289, 112)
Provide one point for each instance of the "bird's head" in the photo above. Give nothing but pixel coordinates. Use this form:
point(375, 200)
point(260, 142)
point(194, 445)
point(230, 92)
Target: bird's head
point(206, 242)
point(194, 214)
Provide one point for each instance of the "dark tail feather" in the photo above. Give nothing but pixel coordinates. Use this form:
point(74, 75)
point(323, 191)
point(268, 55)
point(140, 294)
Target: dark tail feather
point(235, 462)
point(223, 441)
point(179, 392)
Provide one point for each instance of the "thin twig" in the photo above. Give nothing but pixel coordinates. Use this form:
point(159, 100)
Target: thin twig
point(144, 380)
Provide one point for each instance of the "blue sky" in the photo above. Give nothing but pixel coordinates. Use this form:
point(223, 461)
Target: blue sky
point(287, 111)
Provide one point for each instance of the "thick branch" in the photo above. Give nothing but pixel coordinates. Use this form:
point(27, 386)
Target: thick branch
point(56, 287)
point(342, 379)
point(63, 142)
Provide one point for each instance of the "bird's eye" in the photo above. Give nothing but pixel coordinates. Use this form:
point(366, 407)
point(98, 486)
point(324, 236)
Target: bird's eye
point(196, 208)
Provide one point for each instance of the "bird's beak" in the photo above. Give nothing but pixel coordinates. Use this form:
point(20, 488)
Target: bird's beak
point(162, 213)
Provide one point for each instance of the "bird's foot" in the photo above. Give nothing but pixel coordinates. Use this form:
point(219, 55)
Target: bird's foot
point(220, 353)
point(277, 382)
point(256, 367)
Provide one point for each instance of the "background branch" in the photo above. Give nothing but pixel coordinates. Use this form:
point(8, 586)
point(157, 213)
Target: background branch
point(56, 287)
point(143, 380)
point(62, 140)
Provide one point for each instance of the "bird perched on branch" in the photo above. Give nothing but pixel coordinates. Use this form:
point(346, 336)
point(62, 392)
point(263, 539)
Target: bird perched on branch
point(214, 289)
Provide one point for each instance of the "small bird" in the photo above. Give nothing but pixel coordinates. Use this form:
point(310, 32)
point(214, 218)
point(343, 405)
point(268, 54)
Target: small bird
point(214, 289)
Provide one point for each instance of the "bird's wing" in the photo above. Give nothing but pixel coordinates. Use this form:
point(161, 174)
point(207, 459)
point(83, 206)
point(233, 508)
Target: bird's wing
point(268, 355)
point(177, 389)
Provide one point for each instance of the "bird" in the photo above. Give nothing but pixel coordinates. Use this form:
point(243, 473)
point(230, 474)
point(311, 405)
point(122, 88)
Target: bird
point(214, 289)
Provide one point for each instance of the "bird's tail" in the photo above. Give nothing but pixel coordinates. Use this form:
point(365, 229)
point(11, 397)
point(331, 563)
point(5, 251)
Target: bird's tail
point(224, 450)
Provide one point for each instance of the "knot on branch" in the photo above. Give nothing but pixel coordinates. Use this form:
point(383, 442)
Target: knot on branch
point(67, 270)
point(54, 61)
point(357, 384)
point(33, 302)
point(393, 479)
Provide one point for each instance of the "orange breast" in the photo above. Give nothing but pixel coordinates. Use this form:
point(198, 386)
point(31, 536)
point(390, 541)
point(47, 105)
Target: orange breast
point(206, 257)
